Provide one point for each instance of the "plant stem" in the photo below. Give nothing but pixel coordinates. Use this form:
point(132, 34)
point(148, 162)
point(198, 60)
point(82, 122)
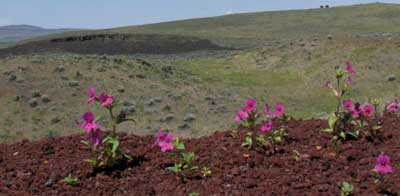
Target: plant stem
point(114, 128)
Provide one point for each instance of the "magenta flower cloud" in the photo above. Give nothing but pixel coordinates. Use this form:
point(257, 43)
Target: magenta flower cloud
point(267, 126)
point(164, 140)
point(383, 164)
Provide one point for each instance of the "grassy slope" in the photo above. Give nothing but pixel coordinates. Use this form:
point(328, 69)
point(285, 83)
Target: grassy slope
point(250, 29)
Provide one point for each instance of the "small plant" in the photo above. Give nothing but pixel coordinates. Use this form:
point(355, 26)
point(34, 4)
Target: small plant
point(382, 167)
point(107, 149)
point(166, 141)
point(206, 172)
point(194, 194)
point(346, 189)
point(185, 164)
point(250, 119)
point(72, 181)
point(393, 107)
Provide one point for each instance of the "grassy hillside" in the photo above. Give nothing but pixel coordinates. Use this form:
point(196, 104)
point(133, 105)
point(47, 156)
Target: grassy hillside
point(192, 94)
point(255, 29)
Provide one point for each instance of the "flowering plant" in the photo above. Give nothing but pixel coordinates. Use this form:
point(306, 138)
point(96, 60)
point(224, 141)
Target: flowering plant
point(250, 119)
point(106, 147)
point(349, 117)
point(382, 167)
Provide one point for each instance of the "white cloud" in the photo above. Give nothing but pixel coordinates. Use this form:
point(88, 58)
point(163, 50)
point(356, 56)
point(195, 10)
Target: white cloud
point(229, 12)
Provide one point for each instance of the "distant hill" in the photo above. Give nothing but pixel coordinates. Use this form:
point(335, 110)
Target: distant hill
point(15, 33)
point(254, 29)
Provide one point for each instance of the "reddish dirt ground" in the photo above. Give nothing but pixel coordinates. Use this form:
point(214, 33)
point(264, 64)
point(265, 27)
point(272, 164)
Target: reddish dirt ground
point(38, 167)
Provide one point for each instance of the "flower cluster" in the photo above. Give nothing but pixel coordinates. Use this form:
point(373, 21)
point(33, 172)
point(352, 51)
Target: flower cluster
point(164, 140)
point(357, 110)
point(249, 118)
point(393, 107)
point(107, 148)
point(104, 99)
point(383, 164)
point(92, 130)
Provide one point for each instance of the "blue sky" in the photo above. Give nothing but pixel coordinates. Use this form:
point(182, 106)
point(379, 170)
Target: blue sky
point(113, 13)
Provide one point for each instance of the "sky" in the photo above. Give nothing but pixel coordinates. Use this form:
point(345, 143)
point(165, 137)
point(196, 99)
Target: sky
point(98, 14)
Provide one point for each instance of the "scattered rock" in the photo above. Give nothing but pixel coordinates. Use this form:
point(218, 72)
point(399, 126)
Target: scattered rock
point(36, 93)
point(184, 126)
point(64, 77)
point(59, 68)
point(330, 37)
point(189, 117)
point(167, 118)
point(33, 102)
point(73, 83)
point(20, 80)
point(12, 77)
point(391, 77)
point(128, 109)
point(101, 69)
point(17, 98)
point(55, 120)
point(45, 99)
point(121, 89)
point(141, 76)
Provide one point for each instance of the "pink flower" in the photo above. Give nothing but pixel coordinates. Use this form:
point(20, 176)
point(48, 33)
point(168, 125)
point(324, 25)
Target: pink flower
point(348, 105)
point(105, 99)
point(383, 164)
point(356, 112)
point(88, 122)
point(349, 68)
point(368, 110)
point(279, 110)
point(328, 85)
point(267, 126)
point(95, 137)
point(394, 106)
point(241, 115)
point(92, 95)
point(91, 128)
point(251, 105)
point(164, 140)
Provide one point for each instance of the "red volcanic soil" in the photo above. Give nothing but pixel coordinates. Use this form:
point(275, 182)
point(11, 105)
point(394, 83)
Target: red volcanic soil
point(38, 167)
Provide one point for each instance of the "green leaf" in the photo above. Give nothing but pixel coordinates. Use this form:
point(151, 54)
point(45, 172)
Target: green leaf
point(327, 130)
point(176, 168)
point(376, 127)
point(92, 162)
point(332, 120)
point(342, 135)
point(71, 180)
point(86, 143)
point(178, 144)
